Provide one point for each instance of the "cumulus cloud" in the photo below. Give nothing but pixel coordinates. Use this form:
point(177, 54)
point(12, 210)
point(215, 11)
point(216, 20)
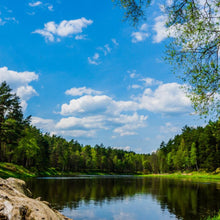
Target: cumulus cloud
point(19, 82)
point(99, 103)
point(17, 78)
point(90, 122)
point(130, 123)
point(77, 133)
point(121, 124)
point(167, 98)
point(53, 31)
point(49, 125)
point(45, 124)
point(82, 91)
point(140, 35)
point(162, 32)
point(101, 112)
point(93, 112)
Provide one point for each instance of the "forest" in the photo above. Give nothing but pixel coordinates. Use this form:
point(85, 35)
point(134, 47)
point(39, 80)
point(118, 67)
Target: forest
point(23, 144)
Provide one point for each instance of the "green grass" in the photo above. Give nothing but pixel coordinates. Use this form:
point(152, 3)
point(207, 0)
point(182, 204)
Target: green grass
point(194, 176)
point(13, 170)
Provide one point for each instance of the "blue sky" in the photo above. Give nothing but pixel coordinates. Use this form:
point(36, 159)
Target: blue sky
point(84, 74)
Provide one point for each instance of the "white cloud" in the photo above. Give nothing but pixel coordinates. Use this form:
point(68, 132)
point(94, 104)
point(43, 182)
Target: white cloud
point(93, 112)
point(26, 92)
point(100, 112)
point(49, 125)
point(81, 91)
point(95, 59)
point(19, 81)
point(167, 98)
point(65, 28)
point(90, 122)
point(130, 123)
point(16, 78)
point(45, 124)
point(77, 133)
point(87, 104)
point(162, 32)
point(99, 103)
point(35, 4)
point(140, 35)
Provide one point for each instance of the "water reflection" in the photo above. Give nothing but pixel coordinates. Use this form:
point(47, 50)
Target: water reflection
point(166, 198)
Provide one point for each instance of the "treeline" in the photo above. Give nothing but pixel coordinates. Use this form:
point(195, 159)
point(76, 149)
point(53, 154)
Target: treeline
point(194, 149)
point(24, 144)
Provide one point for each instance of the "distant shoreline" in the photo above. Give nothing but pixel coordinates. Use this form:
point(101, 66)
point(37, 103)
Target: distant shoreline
point(13, 170)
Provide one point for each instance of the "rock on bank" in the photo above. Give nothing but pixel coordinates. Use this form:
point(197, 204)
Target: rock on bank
point(15, 203)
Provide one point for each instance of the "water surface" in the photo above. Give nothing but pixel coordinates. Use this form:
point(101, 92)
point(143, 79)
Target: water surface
point(127, 197)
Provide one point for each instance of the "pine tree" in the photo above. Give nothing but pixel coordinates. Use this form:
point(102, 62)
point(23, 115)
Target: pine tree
point(11, 122)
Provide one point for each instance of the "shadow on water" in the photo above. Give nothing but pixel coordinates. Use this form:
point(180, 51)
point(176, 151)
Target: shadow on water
point(184, 199)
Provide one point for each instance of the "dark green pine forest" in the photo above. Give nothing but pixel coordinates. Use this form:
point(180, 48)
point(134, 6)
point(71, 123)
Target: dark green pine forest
point(23, 144)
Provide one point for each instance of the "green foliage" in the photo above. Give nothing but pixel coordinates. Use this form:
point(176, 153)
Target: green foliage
point(11, 122)
point(134, 9)
point(193, 49)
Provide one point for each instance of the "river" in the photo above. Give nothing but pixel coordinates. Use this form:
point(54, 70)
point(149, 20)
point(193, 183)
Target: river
point(128, 197)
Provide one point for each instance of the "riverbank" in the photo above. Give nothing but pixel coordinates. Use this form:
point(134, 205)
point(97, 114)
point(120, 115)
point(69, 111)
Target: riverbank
point(16, 171)
point(12, 170)
point(196, 176)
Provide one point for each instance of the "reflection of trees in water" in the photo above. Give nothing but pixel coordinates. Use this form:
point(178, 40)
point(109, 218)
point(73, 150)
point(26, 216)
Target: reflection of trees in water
point(185, 199)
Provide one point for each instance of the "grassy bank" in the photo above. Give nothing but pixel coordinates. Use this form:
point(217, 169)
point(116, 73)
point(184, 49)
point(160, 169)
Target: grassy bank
point(195, 176)
point(13, 170)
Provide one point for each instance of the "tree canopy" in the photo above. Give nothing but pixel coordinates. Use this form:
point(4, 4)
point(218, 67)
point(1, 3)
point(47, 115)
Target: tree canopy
point(194, 47)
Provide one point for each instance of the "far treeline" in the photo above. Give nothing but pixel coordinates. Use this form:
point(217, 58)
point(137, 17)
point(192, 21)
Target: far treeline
point(23, 144)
